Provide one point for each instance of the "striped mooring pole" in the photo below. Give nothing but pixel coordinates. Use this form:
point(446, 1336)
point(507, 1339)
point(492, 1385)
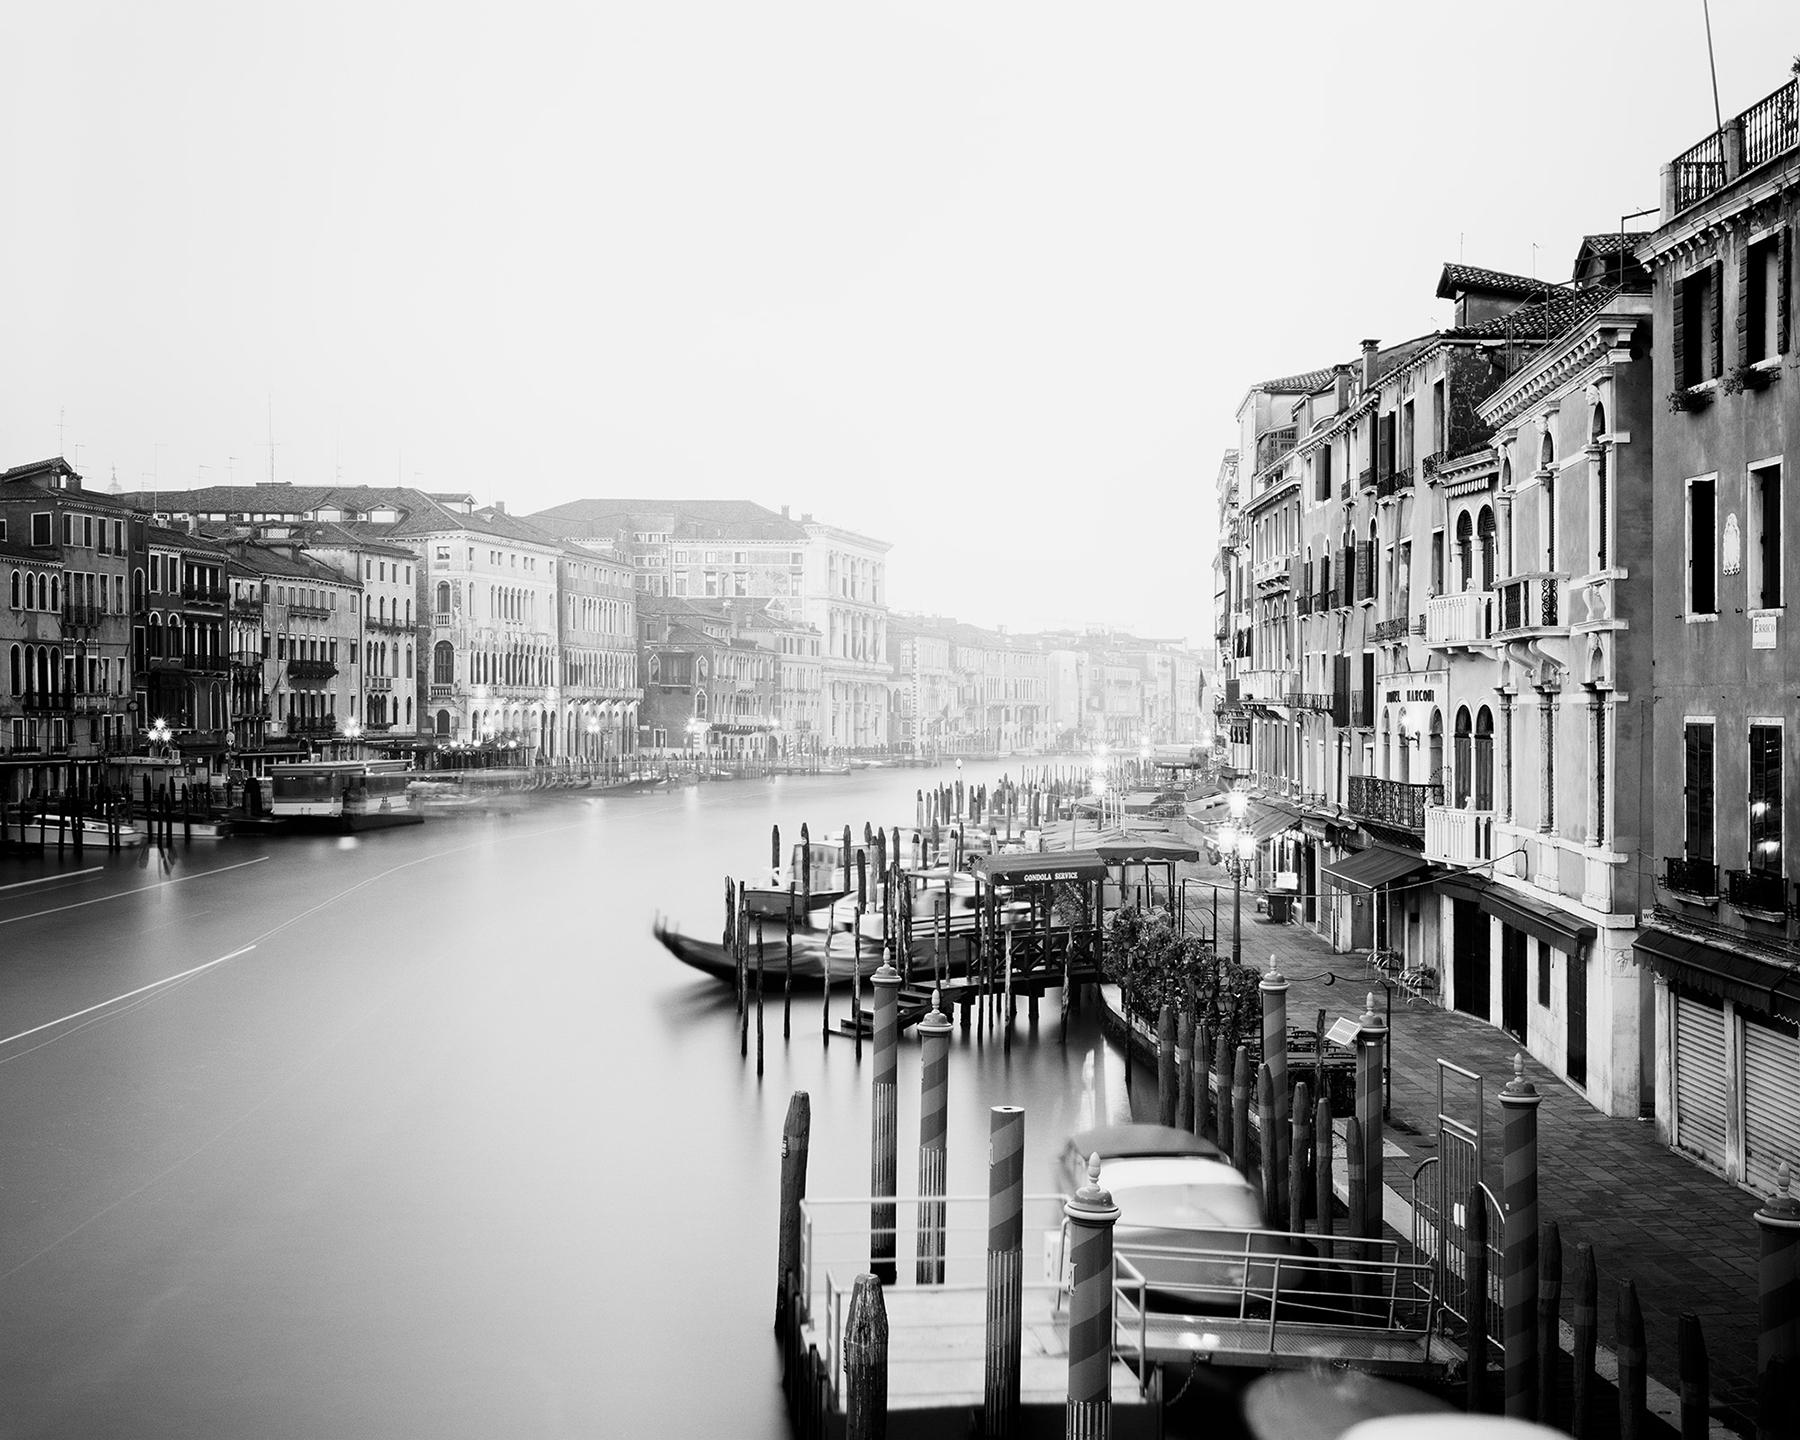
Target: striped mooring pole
point(1091, 1214)
point(1274, 988)
point(1005, 1271)
point(934, 1119)
point(1371, 1036)
point(1778, 1313)
point(884, 1123)
point(1519, 1103)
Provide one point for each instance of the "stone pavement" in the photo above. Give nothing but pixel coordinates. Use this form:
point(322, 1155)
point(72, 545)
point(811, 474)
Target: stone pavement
point(1686, 1237)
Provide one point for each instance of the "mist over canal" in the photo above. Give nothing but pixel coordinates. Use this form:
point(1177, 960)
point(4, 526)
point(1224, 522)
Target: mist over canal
point(456, 1149)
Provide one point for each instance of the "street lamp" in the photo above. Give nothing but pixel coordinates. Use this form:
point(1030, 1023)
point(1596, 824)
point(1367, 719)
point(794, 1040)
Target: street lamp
point(1237, 849)
point(352, 730)
point(696, 733)
point(160, 735)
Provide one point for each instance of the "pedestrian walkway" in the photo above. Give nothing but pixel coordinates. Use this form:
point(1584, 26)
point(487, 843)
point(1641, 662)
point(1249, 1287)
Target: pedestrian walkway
point(1686, 1237)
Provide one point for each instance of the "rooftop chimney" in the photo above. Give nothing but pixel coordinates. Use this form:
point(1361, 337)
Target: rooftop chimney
point(784, 512)
point(1369, 347)
point(1341, 375)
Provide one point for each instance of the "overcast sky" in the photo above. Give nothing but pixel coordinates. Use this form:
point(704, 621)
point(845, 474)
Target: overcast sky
point(984, 280)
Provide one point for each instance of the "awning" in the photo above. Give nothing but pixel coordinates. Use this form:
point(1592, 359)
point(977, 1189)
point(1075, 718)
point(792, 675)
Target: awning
point(1544, 922)
point(1461, 885)
point(1765, 986)
point(1378, 865)
point(1144, 852)
point(1040, 869)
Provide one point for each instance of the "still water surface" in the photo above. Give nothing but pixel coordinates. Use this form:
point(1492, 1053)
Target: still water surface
point(449, 1146)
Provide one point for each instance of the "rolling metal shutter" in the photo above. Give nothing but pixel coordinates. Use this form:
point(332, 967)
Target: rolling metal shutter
point(1700, 1079)
point(1771, 1104)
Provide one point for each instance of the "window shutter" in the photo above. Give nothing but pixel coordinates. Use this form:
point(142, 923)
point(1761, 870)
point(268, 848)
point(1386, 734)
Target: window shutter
point(1678, 333)
point(1784, 268)
point(1743, 306)
point(1717, 354)
point(1384, 441)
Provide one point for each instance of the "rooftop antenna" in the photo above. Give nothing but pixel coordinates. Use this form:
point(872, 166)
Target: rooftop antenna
point(1634, 215)
point(1713, 69)
point(59, 429)
point(271, 399)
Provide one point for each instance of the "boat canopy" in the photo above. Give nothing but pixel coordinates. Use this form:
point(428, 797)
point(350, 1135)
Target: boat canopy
point(1045, 869)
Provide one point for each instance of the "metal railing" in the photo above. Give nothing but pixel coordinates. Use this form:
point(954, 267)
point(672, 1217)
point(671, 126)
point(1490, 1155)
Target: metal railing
point(1389, 630)
point(1393, 802)
point(1394, 481)
point(315, 612)
point(1757, 890)
point(1769, 128)
point(1309, 700)
point(311, 669)
point(1691, 877)
point(204, 594)
point(1530, 602)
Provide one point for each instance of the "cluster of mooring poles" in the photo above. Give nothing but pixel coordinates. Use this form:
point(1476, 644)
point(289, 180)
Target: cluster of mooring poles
point(62, 824)
point(806, 1381)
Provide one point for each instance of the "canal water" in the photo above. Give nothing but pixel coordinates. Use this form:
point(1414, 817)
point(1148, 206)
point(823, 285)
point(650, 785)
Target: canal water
point(420, 1133)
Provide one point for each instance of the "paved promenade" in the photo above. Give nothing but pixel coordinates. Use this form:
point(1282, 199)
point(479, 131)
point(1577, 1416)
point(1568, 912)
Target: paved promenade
point(1685, 1236)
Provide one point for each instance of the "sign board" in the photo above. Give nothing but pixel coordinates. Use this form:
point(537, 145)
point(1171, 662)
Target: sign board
point(1287, 879)
point(1343, 1032)
point(1762, 632)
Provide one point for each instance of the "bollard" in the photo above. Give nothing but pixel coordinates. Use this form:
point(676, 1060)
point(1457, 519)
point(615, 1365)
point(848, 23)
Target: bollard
point(934, 1115)
point(1549, 1321)
point(1695, 1383)
point(1355, 1180)
point(866, 1362)
point(1322, 1164)
point(1166, 1069)
point(1519, 1102)
point(1273, 988)
point(1299, 1191)
point(796, 1133)
point(884, 1123)
point(1091, 1215)
point(1628, 1337)
point(1222, 1100)
point(1778, 1313)
point(1586, 1304)
point(1268, 1153)
point(1184, 1071)
point(787, 976)
point(1005, 1265)
point(805, 875)
point(1240, 1111)
point(856, 1007)
point(759, 999)
point(1475, 1266)
point(1369, 1044)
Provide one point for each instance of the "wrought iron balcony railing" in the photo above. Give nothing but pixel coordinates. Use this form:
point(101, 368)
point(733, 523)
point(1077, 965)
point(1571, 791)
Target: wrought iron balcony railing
point(1761, 891)
point(1530, 604)
point(1691, 877)
point(1393, 802)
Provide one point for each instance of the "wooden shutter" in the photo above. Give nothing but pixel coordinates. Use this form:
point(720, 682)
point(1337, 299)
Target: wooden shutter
point(1678, 332)
point(1697, 791)
point(1716, 281)
point(1784, 267)
point(1700, 1079)
point(1384, 442)
point(1771, 1103)
point(1743, 305)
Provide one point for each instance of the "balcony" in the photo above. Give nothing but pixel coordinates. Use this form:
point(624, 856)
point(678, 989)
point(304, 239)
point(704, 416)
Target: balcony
point(1309, 700)
point(443, 619)
point(1388, 632)
point(1696, 879)
point(1392, 802)
point(324, 727)
point(1458, 837)
point(204, 595)
point(77, 613)
point(1459, 622)
point(440, 692)
point(378, 684)
point(1530, 605)
point(249, 606)
point(1360, 709)
point(311, 612)
point(1273, 445)
point(1272, 571)
point(206, 664)
point(311, 669)
point(391, 627)
point(1758, 893)
point(1365, 571)
point(1769, 128)
point(58, 702)
point(1392, 483)
point(1365, 480)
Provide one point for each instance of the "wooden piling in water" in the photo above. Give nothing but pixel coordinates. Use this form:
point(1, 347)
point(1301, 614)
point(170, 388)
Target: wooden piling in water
point(1268, 1152)
point(1299, 1191)
point(856, 1012)
point(1519, 1103)
point(1222, 1105)
point(759, 999)
point(1184, 1071)
point(1585, 1303)
point(787, 977)
point(1202, 1051)
point(1091, 1215)
point(884, 1113)
point(1005, 1271)
point(1240, 1112)
point(796, 1133)
point(1166, 1068)
point(1549, 1324)
point(934, 1119)
point(1628, 1338)
point(866, 1362)
point(1696, 1388)
point(1323, 1140)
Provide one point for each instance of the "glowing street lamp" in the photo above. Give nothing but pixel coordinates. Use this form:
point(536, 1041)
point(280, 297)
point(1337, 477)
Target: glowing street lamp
point(160, 734)
point(1237, 849)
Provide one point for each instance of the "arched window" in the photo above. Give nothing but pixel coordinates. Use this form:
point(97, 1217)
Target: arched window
point(55, 593)
point(1463, 771)
point(43, 592)
point(1484, 759)
point(1547, 453)
point(137, 589)
point(700, 704)
point(15, 589)
point(443, 597)
point(1484, 530)
point(1434, 774)
point(443, 663)
point(1465, 561)
point(16, 680)
point(442, 724)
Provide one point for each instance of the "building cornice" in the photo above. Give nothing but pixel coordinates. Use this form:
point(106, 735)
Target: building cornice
point(1698, 229)
point(1604, 338)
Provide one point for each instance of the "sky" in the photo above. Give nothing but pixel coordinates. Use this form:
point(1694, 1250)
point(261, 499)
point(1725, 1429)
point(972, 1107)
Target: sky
point(986, 281)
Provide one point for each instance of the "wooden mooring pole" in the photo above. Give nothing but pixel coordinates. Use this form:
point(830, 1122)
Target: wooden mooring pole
point(796, 1135)
point(1005, 1271)
point(866, 1362)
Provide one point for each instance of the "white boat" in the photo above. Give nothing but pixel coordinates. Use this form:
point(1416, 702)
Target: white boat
point(39, 831)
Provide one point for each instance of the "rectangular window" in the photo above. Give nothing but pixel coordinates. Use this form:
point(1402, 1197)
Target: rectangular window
point(1440, 441)
point(87, 532)
point(1322, 470)
point(68, 528)
point(1406, 436)
point(1543, 985)
point(1437, 562)
point(118, 537)
point(40, 528)
point(1764, 571)
point(1765, 798)
point(1697, 326)
point(1697, 790)
point(1761, 299)
point(1703, 563)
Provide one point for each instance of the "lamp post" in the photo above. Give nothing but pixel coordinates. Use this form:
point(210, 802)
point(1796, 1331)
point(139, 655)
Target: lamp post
point(160, 735)
point(352, 732)
point(1237, 847)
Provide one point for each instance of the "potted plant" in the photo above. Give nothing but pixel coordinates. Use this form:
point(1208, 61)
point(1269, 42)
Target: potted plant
point(1689, 401)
